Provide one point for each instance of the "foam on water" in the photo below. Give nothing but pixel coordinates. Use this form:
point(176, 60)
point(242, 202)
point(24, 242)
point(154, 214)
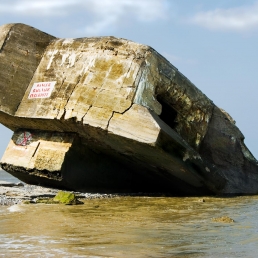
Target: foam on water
point(15, 208)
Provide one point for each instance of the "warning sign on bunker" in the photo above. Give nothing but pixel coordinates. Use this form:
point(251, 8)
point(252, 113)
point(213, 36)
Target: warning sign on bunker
point(41, 90)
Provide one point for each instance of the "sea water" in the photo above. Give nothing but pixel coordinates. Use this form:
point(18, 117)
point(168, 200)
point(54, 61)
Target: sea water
point(132, 227)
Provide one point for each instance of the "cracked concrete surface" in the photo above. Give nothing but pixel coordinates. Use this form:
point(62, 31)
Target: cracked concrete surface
point(133, 121)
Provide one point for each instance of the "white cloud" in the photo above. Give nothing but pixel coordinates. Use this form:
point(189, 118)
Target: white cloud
point(105, 13)
point(36, 8)
point(109, 12)
point(238, 18)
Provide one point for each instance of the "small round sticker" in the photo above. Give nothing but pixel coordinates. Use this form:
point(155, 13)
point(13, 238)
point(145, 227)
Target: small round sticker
point(24, 139)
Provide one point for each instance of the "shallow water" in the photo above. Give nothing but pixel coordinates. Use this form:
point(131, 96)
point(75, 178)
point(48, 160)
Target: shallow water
point(132, 227)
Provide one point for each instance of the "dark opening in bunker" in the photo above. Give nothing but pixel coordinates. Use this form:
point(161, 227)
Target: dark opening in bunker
point(168, 114)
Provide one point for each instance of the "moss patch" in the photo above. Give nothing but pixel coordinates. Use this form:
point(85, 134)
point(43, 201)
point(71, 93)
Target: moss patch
point(62, 197)
point(66, 198)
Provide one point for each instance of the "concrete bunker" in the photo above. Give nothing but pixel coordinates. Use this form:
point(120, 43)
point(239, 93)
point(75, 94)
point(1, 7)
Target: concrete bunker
point(117, 116)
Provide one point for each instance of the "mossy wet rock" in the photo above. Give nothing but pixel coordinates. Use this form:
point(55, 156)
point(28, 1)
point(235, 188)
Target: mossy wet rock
point(67, 198)
point(61, 197)
point(105, 114)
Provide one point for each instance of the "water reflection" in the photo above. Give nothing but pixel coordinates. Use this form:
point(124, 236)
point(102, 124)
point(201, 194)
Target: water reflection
point(132, 227)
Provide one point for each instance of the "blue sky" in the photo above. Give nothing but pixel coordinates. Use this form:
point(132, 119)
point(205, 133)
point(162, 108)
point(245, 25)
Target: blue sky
point(213, 43)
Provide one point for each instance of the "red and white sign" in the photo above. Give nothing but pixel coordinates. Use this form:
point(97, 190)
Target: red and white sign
point(41, 90)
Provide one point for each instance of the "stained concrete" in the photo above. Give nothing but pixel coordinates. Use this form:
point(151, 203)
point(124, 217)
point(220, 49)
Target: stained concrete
point(108, 114)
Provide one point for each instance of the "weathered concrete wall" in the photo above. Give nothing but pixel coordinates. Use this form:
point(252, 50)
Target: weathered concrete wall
point(123, 107)
point(38, 150)
point(98, 80)
point(91, 78)
point(223, 147)
point(21, 49)
point(66, 161)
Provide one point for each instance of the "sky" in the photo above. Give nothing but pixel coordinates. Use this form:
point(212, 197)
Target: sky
point(213, 43)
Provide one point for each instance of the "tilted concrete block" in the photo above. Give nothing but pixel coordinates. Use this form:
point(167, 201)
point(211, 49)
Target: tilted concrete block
point(108, 114)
